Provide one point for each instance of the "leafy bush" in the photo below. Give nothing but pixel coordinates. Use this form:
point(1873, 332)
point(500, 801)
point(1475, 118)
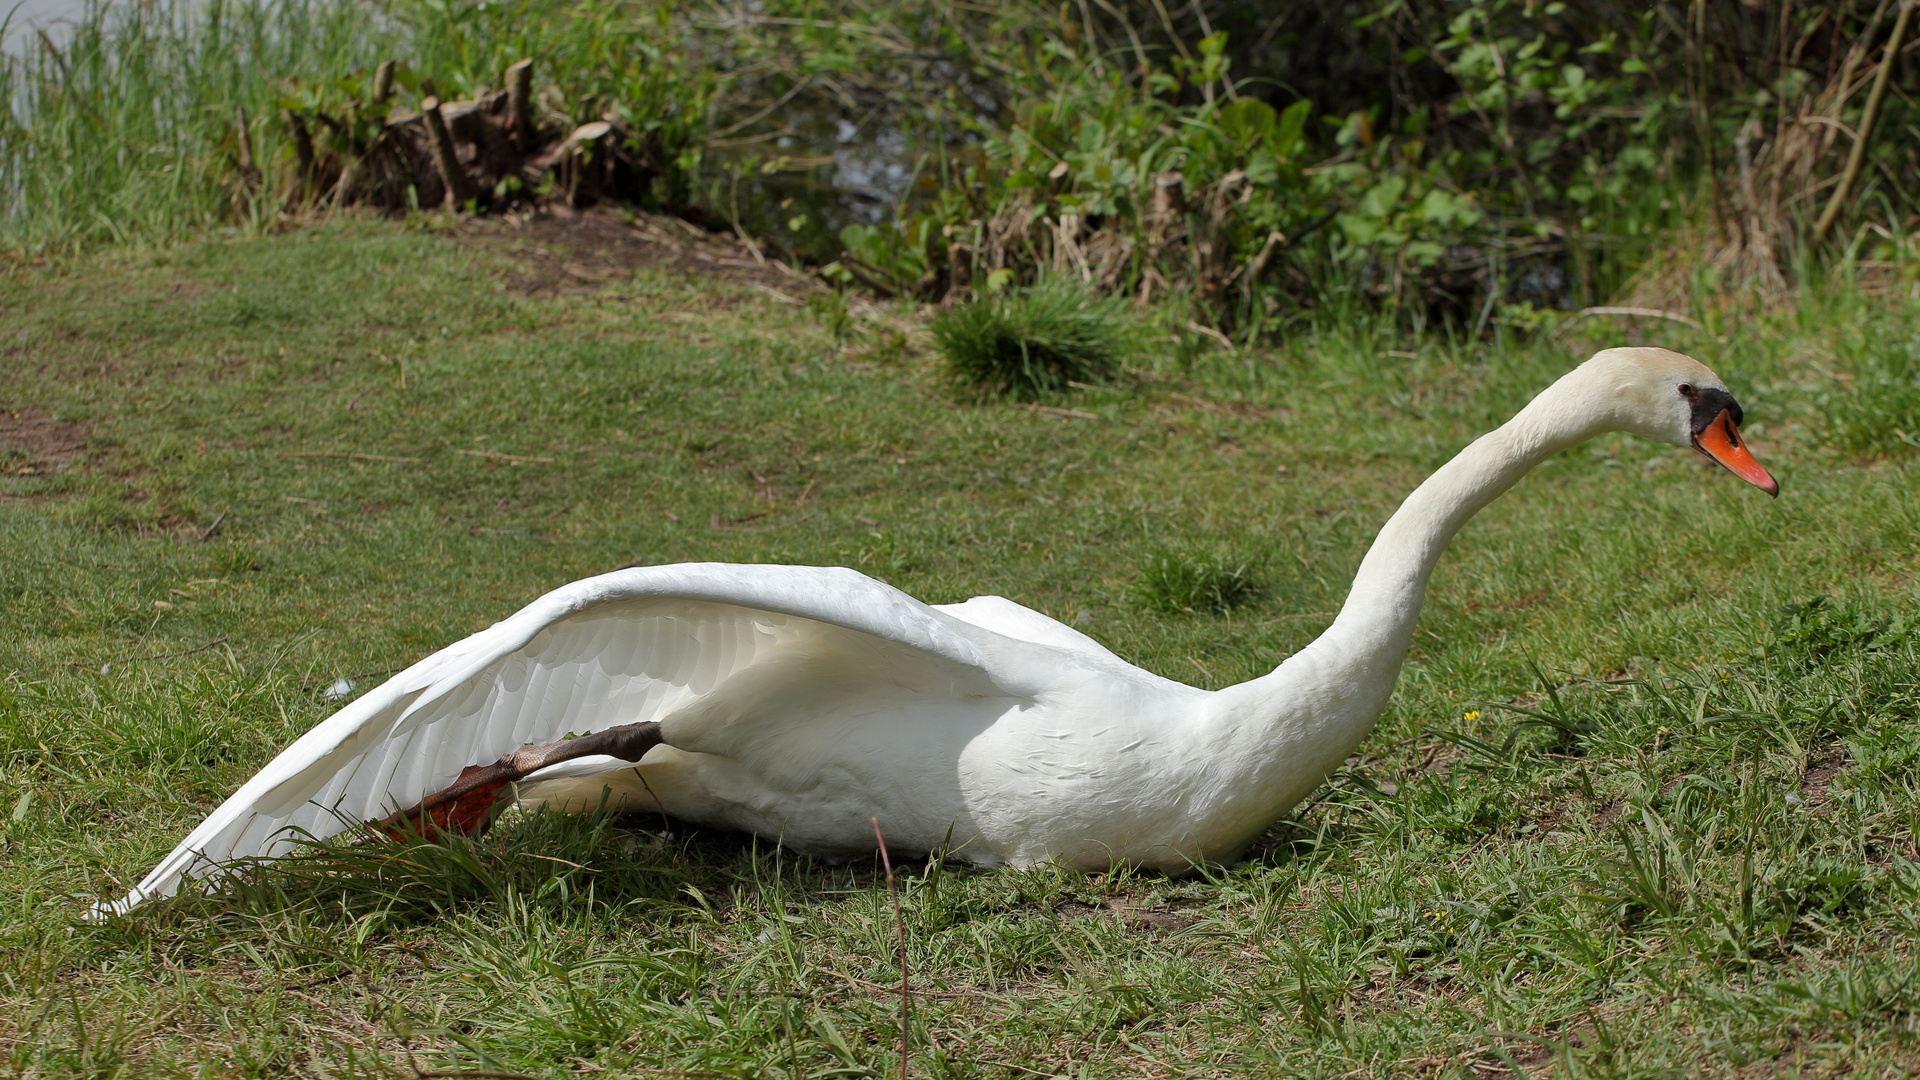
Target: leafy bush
point(1178, 156)
point(1181, 581)
point(1438, 158)
point(1029, 342)
point(1880, 412)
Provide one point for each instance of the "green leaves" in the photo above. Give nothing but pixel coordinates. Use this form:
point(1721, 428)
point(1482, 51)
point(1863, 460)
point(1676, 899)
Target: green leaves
point(1252, 126)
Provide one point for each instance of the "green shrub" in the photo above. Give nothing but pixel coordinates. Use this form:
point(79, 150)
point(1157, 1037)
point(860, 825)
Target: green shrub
point(1880, 412)
point(1034, 341)
point(1256, 171)
point(1179, 581)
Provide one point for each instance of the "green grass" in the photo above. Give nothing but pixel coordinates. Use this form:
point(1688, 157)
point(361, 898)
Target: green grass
point(1622, 818)
point(1881, 406)
point(1183, 581)
point(1028, 343)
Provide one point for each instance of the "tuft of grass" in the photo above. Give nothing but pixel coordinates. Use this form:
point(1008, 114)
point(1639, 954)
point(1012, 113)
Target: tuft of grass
point(1880, 412)
point(835, 314)
point(1034, 341)
point(1176, 582)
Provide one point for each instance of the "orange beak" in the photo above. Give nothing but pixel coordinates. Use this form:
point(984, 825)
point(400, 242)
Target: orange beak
point(1721, 442)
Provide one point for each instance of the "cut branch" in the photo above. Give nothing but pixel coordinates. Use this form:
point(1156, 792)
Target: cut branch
point(383, 83)
point(459, 187)
point(520, 104)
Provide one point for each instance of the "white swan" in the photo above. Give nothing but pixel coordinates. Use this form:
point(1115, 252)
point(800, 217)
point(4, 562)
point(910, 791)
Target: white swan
point(801, 702)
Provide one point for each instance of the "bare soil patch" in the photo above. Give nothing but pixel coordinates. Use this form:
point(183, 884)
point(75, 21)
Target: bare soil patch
point(1822, 766)
point(558, 251)
point(35, 445)
point(1133, 914)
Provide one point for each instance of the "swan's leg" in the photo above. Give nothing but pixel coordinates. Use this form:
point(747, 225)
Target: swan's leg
point(468, 804)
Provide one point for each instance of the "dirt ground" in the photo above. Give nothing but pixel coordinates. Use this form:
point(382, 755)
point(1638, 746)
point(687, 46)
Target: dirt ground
point(36, 445)
point(563, 251)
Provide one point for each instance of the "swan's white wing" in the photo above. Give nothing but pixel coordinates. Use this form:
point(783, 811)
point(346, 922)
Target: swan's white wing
point(1004, 617)
point(635, 645)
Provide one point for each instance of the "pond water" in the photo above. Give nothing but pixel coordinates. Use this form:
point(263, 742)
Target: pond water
point(46, 15)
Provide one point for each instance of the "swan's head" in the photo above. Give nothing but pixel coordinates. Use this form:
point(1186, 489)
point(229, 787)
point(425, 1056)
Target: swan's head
point(1670, 398)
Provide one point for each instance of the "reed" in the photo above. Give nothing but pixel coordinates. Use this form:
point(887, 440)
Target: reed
point(127, 131)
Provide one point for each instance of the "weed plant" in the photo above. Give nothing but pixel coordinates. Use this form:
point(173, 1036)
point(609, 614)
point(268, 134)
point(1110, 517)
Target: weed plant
point(1819, 628)
point(1176, 582)
point(1027, 343)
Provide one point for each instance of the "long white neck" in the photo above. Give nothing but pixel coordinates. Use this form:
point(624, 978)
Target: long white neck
point(1370, 636)
point(1293, 726)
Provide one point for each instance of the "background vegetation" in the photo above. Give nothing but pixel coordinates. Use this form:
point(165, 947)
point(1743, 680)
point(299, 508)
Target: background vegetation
point(1455, 162)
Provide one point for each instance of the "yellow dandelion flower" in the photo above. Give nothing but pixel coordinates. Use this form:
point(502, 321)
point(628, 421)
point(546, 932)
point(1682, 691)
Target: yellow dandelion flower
point(1471, 715)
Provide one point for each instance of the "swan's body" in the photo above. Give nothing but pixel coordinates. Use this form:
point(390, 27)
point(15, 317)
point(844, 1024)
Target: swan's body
point(800, 703)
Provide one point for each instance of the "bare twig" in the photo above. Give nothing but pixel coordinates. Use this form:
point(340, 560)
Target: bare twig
point(473, 1076)
point(207, 533)
point(900, 924)
point(1858, 154)
point(1056, 411)
point(515, 459)
point(1630, 312)
point(1843, 86)
point(158, 656)
point(1209, 332)
point(343, 454)
point(798, 86)
point(866, 275)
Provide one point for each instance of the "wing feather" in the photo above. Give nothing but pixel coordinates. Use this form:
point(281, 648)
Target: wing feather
point(633, 645)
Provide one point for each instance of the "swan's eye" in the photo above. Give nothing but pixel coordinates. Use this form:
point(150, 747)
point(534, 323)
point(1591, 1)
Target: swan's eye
point(1687, 389)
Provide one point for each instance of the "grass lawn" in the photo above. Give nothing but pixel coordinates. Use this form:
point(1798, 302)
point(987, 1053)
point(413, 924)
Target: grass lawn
point(1622, 818)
